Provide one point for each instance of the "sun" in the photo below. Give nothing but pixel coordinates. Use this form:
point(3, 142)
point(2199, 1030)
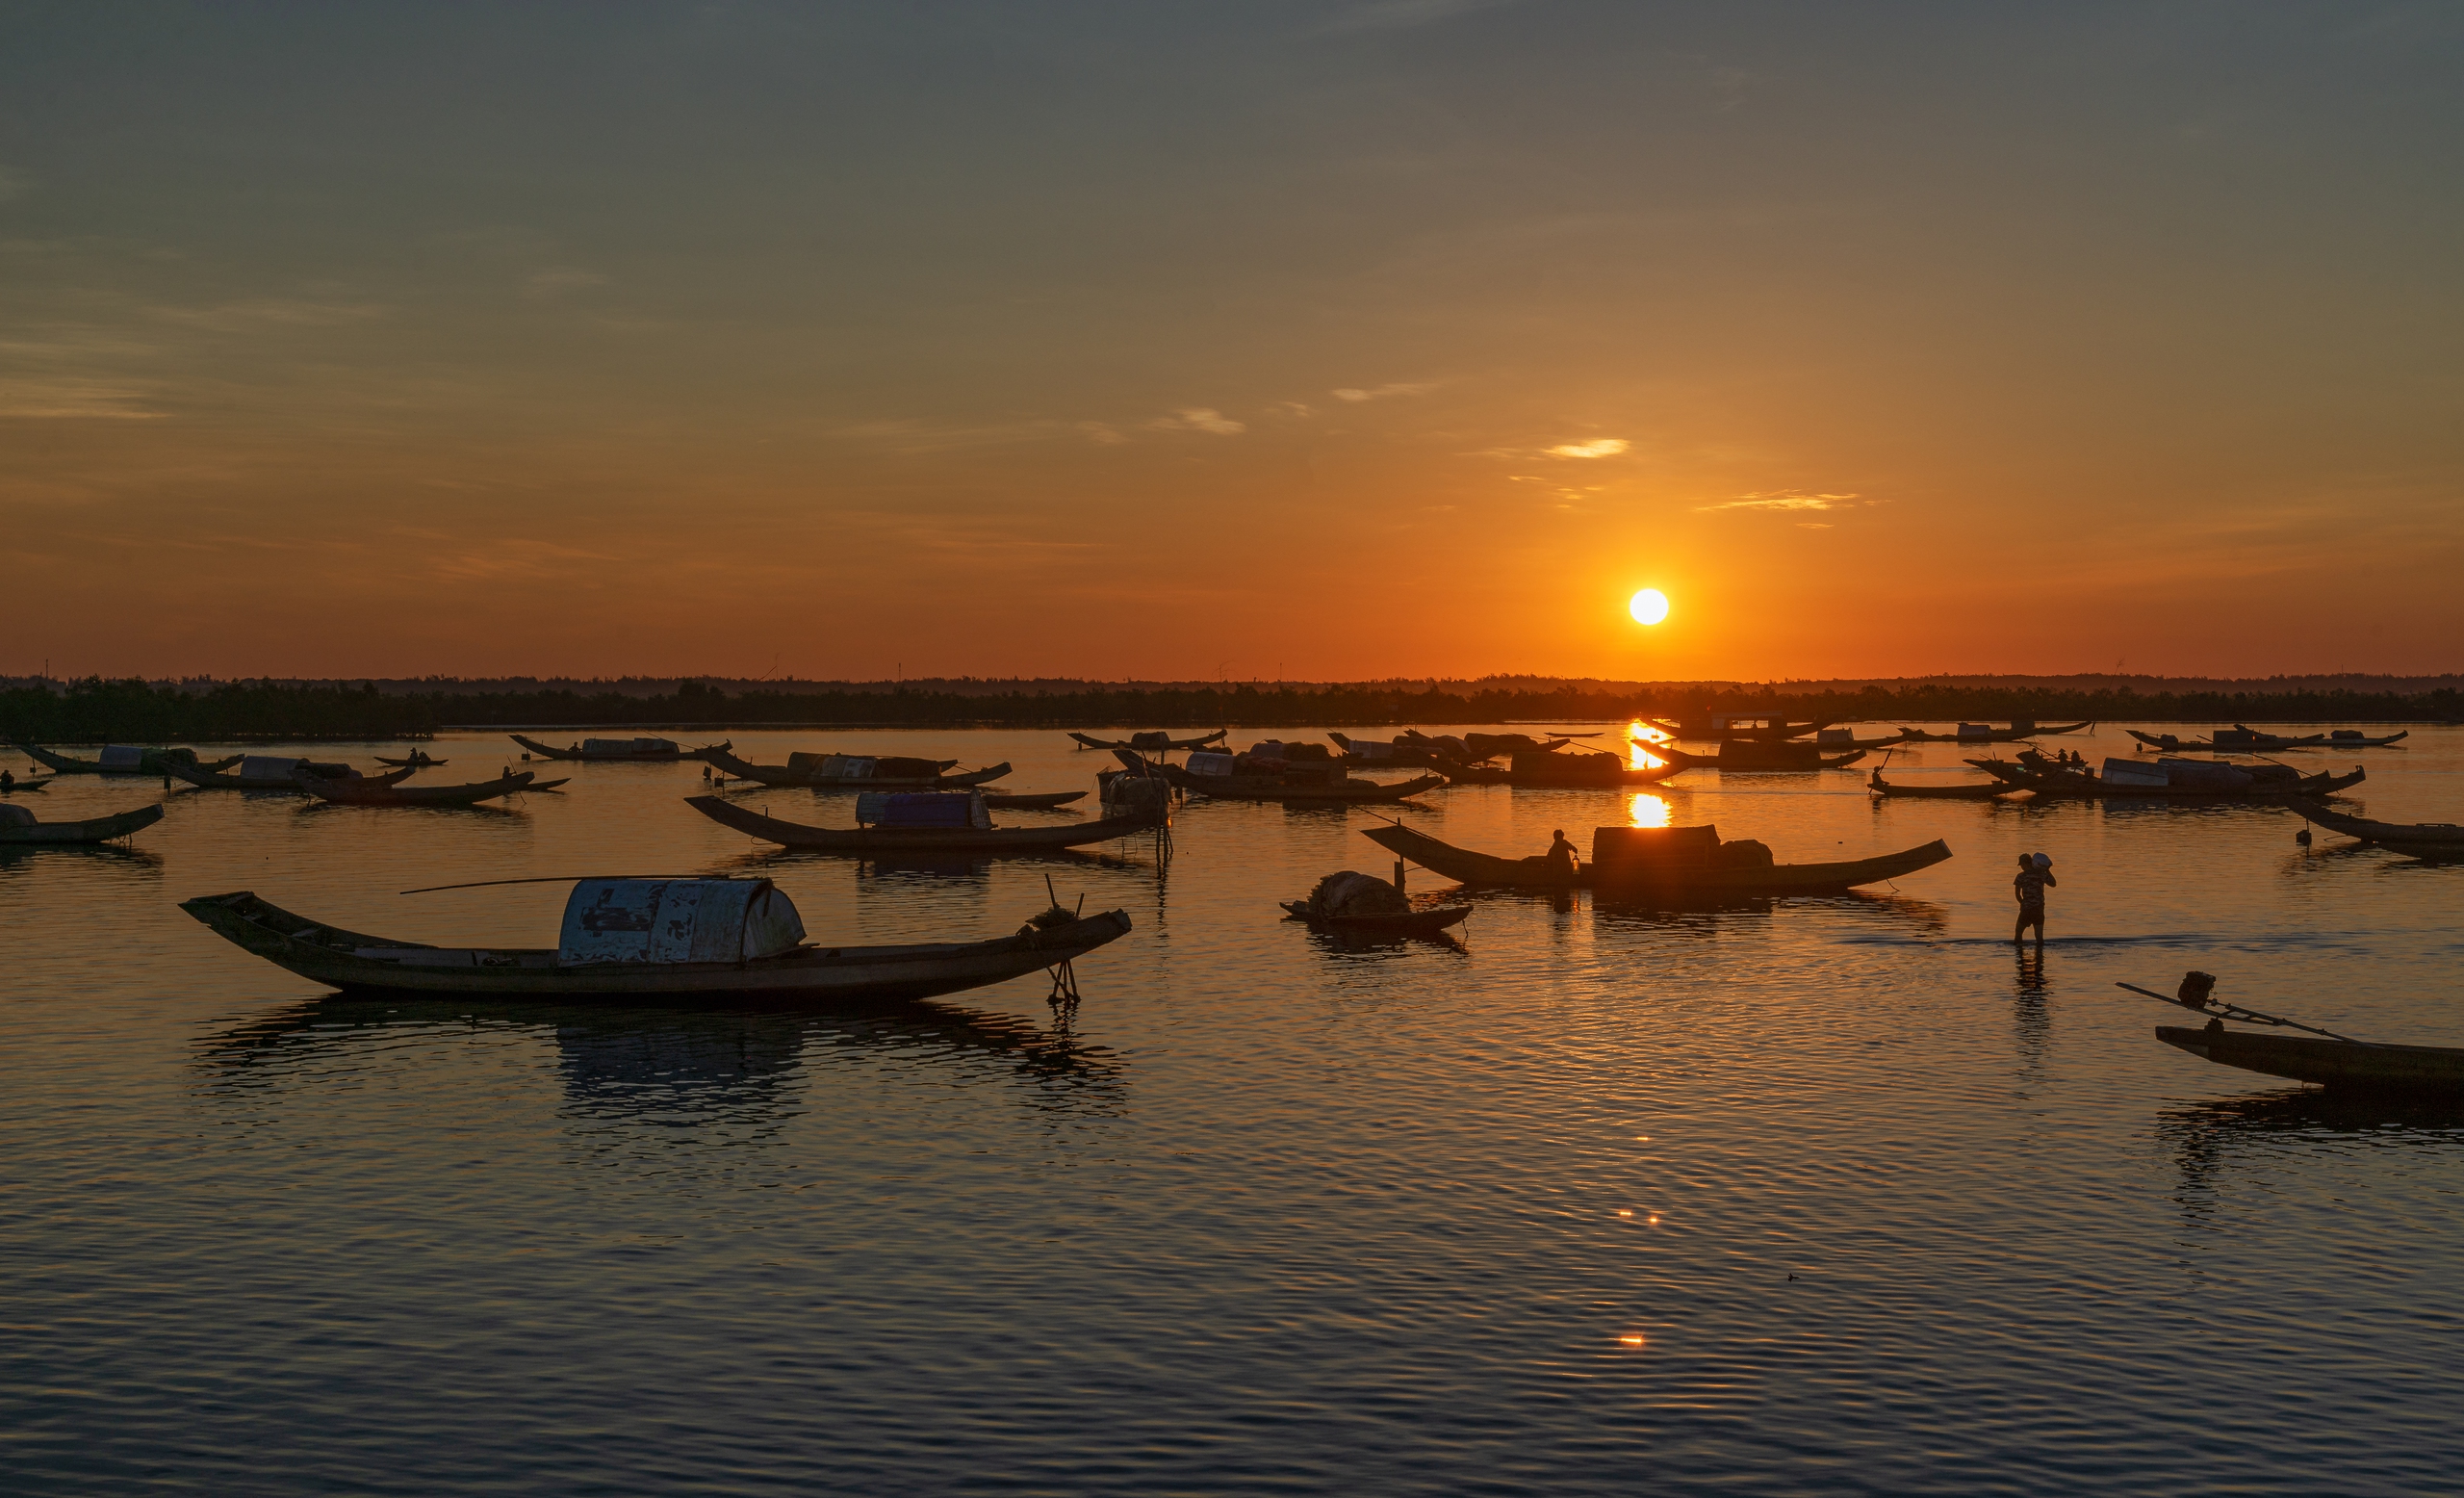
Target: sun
point(1649, 607)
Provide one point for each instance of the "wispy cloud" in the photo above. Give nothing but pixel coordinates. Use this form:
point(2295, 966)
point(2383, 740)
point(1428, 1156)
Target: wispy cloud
point(1103, 433)
point(271, 312)
point(1199, 419)
point(1382, 392)
point(1603, 447)
point(1784, 500)
point(75, 398)
point(1401, 14)
point(556, 281)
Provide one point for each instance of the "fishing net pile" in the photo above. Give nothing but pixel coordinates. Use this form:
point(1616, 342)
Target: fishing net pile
point(1349, 893)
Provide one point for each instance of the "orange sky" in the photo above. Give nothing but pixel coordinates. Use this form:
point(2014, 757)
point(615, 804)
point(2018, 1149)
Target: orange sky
point(1311, 341)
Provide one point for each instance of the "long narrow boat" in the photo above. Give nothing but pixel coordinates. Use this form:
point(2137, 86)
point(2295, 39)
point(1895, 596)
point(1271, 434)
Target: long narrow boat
point(1731, 727)
point(13, 787)
point(623, 751)
point(815, 775)
point(1292, 791)
point(2391, 835)
point(1987, 734)
point(2085, 787)
point(417, 762)
point(879, 841)
point(1985, 792)
point(1399, 753)
point(1743, 754)
point(259, 772)
point(2239, 739)
point(1427, 921)
point(1693, 862)
point(347, 792)
point(2343, 1065)
point(766, 955)
point(1043, 801)
point(2355, 738)
point(1154, 742)
point(100, 829)
point(1560, 771)
point(119, 759)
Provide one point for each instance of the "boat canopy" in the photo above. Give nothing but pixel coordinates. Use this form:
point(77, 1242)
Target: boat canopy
point(122, 757)
point(628, 746)
point(268, 766)
point(923, 809)
point(1211, 763)
point(1653, 847)
point(677, 921)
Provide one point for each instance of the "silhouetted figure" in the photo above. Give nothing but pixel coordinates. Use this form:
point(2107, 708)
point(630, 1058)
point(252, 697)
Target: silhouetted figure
point(1561, 855)
point(2036, 872)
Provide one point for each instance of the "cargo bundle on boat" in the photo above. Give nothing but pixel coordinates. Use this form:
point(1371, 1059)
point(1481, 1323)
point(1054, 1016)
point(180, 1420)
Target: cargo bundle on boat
point(728, 939)
point(1358, 904)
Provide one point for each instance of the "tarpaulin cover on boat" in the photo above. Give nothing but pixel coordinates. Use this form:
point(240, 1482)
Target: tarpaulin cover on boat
point(1209, 764)
point(1827, 736)
point(922, 809)
point(628, 746)
point(268, 766)
point(676, 920)
point(1651, 847)
point(2204, 775)
point(836, 767)
point(2134, 772)
point(122, 757)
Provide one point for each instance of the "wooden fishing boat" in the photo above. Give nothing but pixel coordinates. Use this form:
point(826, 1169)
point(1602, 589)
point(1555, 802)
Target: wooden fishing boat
point(349, 792)
point(1424, 922)
point(623, 751)
point(1399, 753)
point(261, 772)
point(2355, 738)
point(1742, 754)
point(2086, 784)
point(1296, 789)
point(1987, 734)
point(1155, 742)
point(1558, 771)
point(1044, 801)
point(879, 841)
point(647, 962)
point(853, 772)
point(119, 759)
point(1489, 746)
point(1729, 727)
point(100, 829)
point(2236, 739)
point(417, 762)
point(2344, 1065)
point(2392, 834)
point(1985, 792)
point(11, 788)
point(1668, 861)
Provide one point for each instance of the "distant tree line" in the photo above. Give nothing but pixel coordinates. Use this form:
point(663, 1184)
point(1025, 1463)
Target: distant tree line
point(95, 710)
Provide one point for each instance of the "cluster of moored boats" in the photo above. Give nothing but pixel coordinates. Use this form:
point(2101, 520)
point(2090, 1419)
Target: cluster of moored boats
point(740, 937)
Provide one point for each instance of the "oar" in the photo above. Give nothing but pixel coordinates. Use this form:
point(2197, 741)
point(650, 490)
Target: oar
point(2222, 1010)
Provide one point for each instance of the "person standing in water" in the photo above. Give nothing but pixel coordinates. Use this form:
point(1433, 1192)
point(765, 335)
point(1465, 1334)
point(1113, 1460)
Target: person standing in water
point(2029, 885)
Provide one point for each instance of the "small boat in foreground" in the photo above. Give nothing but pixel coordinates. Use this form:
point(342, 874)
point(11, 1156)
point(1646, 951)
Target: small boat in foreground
point(358, 793)
point(623, 751)
point(2405, 836)
point(1985, 792)
point(1427, 921)
point(1661, 860)
point(730, 938)
point(12, 787)
point(19, 827)
point(2331, 1060)
point(886, 840)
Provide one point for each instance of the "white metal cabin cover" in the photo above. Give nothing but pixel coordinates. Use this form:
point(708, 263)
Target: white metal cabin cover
point(676, 920)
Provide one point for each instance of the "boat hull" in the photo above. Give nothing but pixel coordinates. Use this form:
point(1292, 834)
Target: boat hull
point(150, 769)
point(1466, 867)
point(100, 829)
point(2392, 834)
point(323, 954)
point(2344, 1065)
point(2007, 735)
point(1418, 922)
point(895, 841)
point(1985, 792)
point(343, 793)
point(781, 777)
point(1268, 787)
point(660, 757)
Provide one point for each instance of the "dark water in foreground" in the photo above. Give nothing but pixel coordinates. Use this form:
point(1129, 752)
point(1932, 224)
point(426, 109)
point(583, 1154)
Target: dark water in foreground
point(1828, 1196)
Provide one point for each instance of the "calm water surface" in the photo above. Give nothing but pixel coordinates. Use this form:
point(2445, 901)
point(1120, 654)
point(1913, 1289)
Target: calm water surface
point(1824, 1196)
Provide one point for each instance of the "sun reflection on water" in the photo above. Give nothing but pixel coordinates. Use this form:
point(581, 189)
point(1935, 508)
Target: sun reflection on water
point(1644, 810)
point(1639, 733)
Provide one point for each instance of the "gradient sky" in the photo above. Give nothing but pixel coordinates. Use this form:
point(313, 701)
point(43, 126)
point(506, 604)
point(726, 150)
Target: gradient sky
point(1317, 341)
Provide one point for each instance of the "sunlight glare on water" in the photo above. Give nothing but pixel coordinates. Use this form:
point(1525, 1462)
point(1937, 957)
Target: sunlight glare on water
point(1278, 1210)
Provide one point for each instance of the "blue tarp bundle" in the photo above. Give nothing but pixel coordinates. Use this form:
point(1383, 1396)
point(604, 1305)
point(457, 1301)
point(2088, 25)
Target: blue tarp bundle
point(925, 809)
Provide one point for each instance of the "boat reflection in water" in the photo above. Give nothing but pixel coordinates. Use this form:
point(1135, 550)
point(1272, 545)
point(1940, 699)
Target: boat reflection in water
point(680, 1068)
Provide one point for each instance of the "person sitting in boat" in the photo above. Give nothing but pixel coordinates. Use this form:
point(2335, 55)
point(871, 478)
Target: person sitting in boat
point(2035, 871)
point(1561, 855)
point(6, 779)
